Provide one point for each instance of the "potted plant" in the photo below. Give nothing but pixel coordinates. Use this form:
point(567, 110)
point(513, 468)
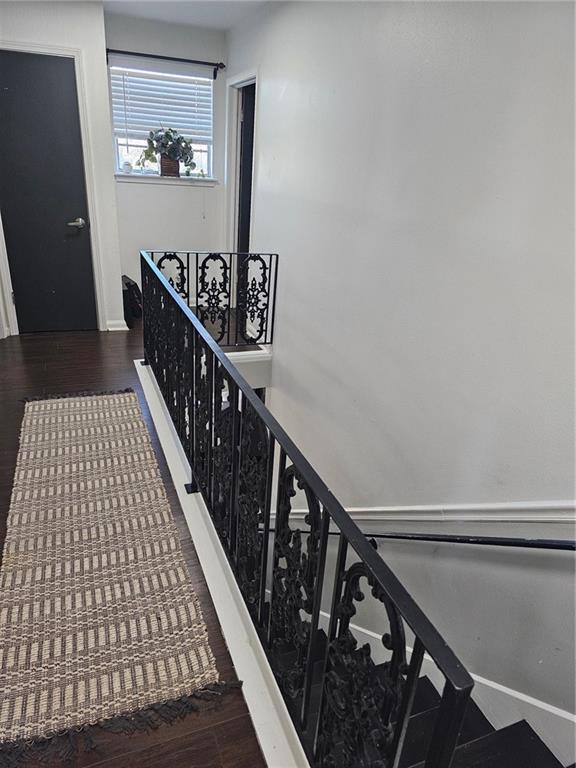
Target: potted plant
point(173, 149)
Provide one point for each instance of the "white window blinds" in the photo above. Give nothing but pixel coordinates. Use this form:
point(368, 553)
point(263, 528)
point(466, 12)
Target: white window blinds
point(145, 99)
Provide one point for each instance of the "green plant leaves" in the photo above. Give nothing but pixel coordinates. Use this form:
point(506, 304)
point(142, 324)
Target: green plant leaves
point(168, 142)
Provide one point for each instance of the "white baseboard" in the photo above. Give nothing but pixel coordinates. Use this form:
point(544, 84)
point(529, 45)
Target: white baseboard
point(258, 355)
point(502, 706)
point(116, 325)
point(278, 739)
point(557, 511)
point(255, 365)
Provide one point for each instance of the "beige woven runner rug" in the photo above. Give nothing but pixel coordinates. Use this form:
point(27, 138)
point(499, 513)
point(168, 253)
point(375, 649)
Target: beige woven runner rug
point(98, 617)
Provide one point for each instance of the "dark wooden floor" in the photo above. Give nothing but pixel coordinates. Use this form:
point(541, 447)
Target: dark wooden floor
point(41, 364)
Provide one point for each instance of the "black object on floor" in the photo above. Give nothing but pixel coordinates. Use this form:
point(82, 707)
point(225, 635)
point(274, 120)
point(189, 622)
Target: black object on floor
point(132, 298)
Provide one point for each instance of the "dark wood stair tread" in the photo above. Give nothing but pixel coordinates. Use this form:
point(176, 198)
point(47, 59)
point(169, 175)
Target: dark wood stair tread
point(421, 727)
point(426, 697)
point(516, 746)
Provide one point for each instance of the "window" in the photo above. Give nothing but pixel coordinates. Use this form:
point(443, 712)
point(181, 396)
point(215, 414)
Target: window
point(148, 94)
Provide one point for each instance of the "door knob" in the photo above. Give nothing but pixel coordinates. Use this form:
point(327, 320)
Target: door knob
point(78, 223)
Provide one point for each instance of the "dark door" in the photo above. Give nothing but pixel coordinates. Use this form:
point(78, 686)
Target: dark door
point(42, 189)
point(247, 103)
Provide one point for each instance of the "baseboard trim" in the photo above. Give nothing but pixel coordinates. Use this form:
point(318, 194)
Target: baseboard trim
point(277, 737)
point(262, 354)
point(557, 511)
point(116, 325)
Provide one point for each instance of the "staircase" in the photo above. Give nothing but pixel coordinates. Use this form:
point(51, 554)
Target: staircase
point(479, 745)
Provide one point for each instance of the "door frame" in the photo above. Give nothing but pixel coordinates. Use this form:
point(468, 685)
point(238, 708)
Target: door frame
point(87, 161)
point(8, 318)
point(233, 86)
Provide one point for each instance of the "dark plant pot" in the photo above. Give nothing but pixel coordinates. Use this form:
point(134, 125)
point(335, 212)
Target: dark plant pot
point(169, 167)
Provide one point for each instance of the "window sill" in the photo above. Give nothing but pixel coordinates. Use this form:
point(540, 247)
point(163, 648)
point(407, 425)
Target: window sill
point(133, 178)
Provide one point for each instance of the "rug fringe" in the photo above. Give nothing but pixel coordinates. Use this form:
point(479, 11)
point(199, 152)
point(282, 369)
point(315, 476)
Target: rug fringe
point(66, 745)
point(83, 393)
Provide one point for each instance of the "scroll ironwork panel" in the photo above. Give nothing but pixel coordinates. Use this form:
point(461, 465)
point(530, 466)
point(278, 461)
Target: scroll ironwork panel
point(175, 267)
point(203, 403)
point(253, 297)
point(252, 505)
point(361, 700)
point(297, 574)
point(213, 277)
point(185, 381)
point(232, 294)
point(226, 418)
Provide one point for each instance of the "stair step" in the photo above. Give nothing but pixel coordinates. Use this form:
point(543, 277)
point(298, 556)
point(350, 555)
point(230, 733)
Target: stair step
point(286, 658)
point(426, 697)
point(421, 727)
point(516, 746)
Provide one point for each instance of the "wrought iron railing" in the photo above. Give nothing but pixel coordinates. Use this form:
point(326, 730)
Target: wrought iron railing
point(232, 294)
point(349, 710)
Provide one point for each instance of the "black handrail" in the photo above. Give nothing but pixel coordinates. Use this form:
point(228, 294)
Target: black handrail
point(230, 439)
point(489, 541)
point(568, 545)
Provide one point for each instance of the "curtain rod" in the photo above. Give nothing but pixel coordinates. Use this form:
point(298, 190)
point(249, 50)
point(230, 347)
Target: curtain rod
point(216, 65)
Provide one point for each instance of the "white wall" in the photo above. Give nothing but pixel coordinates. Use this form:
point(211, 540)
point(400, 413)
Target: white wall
point(81, 26)
point(424, 317)
point(171, 215)
point(414, 170)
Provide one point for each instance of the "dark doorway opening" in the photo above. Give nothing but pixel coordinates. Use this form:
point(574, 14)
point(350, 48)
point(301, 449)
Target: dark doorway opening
point(43, 199)
point(247, 105)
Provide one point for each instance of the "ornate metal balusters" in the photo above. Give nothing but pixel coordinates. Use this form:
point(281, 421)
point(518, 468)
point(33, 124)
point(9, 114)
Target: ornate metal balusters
point(203, 414)
point(145, 279)
point(448, 726)
point(172, 360)
point(361, 703)
point(314, 622)
point(172, 266)
point(407, 700)
point(162, 342)
point(223, 453)
point(297, 573)
point(322, 738)
point(213, 294)
point(224, 284)
point(185, 385)
point(252, 298)
point(253, 508)
point(154, 329)
point(150, 288)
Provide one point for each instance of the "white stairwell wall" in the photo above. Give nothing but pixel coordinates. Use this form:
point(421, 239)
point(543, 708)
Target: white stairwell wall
point(414, 169)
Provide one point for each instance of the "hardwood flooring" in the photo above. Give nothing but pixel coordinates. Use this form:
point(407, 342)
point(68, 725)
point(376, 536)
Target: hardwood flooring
point(60, 363)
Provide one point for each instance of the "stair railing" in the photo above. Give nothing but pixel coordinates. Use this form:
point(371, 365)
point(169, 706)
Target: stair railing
point(232, 294)
point(348, 710)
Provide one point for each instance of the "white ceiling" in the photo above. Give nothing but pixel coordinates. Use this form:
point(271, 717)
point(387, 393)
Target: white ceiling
point(212, 14)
